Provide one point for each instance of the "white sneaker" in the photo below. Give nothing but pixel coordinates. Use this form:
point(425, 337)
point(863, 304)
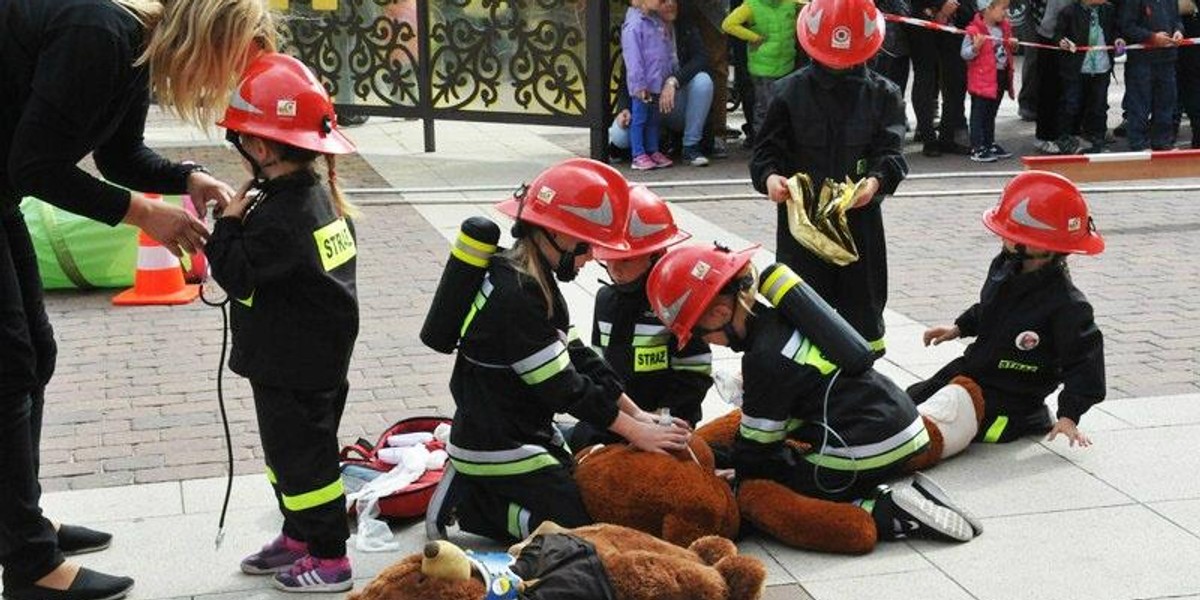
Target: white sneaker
point(926, 486)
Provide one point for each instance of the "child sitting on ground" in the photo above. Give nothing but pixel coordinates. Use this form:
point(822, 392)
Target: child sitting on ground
point(1033, 328)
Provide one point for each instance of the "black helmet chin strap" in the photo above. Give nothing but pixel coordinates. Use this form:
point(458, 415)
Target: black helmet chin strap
point(235, 138)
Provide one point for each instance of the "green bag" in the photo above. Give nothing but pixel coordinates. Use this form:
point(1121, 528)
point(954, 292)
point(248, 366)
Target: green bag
point(77, 252)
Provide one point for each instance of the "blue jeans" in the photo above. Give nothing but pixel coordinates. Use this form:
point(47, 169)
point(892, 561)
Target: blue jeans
point(692, 103)
point(1085, 101)
point(983, 113)
point(643, 127)
point(1150, 96)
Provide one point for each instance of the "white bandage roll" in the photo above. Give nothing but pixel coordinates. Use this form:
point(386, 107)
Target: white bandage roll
point(953, 411)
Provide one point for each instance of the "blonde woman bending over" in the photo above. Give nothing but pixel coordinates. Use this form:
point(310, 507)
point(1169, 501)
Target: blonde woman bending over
point(78, 76)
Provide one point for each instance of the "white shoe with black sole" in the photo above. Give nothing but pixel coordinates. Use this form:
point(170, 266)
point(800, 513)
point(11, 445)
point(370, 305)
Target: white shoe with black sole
point(926, 486)
point(928, 519)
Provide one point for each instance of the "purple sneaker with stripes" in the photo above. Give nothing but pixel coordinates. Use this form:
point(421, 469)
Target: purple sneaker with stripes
point(311, 574)
point(276, 557)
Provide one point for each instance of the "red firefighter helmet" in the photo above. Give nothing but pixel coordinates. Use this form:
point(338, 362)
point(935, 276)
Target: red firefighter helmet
point(1044, 210)
point(687, 279)
point(651, 227)
point(279, 99)
point(840, 33)
point(579, 197)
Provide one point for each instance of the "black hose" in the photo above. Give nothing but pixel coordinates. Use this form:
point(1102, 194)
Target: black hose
point(221, 402)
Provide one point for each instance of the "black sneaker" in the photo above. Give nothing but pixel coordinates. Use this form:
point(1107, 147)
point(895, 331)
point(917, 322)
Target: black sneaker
point(999, 152)
point(926, 486)
point(953, 147)
point(718, 150)
point(914, 515)
point(1067, 144)
point(73, 539)
point(88, 585)
point(983, 155)
point(692, 156)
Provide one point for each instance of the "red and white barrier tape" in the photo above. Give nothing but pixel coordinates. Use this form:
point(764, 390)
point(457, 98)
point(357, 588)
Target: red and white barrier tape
point(1191, 156)
point(952, 29)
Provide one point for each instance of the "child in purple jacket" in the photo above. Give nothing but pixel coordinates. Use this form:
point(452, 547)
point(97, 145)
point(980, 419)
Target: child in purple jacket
point(647, 43)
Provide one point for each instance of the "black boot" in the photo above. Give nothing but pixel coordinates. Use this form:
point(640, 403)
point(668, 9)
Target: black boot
point(88, 585)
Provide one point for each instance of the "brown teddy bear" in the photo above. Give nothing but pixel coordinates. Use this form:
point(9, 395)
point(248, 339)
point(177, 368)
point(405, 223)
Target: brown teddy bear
point(596, 562)
point(675, 497)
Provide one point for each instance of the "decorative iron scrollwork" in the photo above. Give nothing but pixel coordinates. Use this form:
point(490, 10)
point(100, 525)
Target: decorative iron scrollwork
point(365, 52)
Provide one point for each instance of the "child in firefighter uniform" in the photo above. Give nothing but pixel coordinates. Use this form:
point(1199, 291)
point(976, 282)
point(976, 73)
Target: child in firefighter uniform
point(805, 424)
point(284, 251)
point(520, 362)
point(657, 375)
point(836, 119)
point(1033, 328)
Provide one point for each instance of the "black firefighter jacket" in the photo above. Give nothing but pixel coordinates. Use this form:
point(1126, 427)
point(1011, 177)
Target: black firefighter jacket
point(516, 368)
point(289, 266)
point(646, 357)
point(786, 381)
point(1032, 332)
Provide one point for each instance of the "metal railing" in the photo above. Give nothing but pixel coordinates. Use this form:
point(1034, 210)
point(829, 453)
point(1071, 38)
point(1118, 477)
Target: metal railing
point(544, 62)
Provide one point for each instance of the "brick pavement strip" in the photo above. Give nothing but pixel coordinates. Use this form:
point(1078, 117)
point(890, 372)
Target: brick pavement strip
point(145, 377)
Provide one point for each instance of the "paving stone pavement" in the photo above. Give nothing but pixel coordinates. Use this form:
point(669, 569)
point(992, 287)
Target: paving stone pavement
point(134, 403)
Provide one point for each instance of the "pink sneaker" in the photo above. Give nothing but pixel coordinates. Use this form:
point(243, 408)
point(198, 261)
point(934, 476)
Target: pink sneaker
point(311, 574)
point(643, 162)
point(277, 556)
point(660, 160)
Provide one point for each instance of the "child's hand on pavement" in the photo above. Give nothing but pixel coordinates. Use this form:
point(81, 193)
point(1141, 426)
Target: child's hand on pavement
point(941, 333)
point(777, 189)
point(1067, 427)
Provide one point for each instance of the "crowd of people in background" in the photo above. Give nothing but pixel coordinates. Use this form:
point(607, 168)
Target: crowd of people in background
point(678, 54)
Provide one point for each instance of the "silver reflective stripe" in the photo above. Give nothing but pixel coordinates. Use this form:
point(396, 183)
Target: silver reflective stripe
point(480, 363)
point(487, 286)
point(699, 359)
point(868, 450)
point(763, 424)
point(792, 346)
point(605, 327)
point(649, 329)
point(433, 530)
point(539, 358)
point(523, 521)
point(495, 456)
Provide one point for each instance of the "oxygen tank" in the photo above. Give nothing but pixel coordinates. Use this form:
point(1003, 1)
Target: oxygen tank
point(812, 315)
point(461, 279)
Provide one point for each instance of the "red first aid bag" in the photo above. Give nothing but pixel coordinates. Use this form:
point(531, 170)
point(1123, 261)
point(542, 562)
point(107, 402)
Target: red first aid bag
point(362, 457)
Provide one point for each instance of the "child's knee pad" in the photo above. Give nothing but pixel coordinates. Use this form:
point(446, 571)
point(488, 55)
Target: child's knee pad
point(953, 410)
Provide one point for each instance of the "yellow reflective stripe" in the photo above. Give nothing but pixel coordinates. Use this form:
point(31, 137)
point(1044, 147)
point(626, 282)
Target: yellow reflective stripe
point(775, 289)
point(760, 436)
point(278, 4)
point(314, 498)
point(604, 339)
point(514, 520)
point(476, 306)
point(466, 257)
point(811, 355)
point(271, 476)
point(548, 370)
point(996, 430)
point(877, 345)
point(868, 505)
point(901, 452)
point(482, 247)
point(335, 244)
point(518, 467)
point(472, 251)
point(248, 301)
point(573, 334)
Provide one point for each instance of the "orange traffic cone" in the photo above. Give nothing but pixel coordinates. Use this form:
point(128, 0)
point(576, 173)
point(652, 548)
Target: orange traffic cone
point(159, 278)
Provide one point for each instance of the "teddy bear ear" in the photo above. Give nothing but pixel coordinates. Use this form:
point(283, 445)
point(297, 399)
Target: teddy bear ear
point(443, 560)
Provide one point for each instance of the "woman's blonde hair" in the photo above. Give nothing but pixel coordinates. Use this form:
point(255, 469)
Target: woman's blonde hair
point(196, 50)
point(524, 258)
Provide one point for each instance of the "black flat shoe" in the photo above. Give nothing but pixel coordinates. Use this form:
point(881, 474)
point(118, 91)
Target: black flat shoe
point(73, 539)
point(88, 585)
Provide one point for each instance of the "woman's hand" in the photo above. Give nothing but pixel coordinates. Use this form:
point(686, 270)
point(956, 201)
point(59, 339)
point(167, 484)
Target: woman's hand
point(777, 189)
point(624, 118)
point(941, 333)
point(204, 188)
point(1067, 427)
point(169, 225)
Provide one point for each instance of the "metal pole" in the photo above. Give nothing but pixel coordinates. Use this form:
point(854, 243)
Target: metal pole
point(425, 74)
point(598, 76)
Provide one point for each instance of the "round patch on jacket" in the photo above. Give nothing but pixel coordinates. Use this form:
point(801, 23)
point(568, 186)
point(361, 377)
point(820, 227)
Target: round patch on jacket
point(1028, 340)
